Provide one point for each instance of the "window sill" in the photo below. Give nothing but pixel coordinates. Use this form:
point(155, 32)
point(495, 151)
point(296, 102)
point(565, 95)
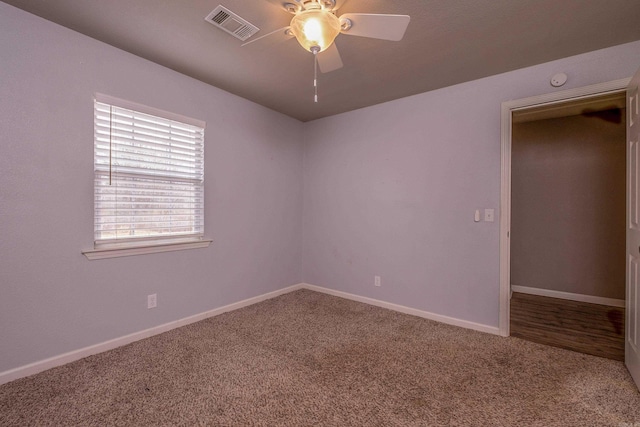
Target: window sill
point(144, 248)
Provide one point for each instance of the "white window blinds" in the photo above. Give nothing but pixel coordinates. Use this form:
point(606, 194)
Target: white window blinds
point(149, 174)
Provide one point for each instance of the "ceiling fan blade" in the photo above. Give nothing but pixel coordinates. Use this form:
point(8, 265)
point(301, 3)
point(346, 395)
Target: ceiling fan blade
point(279, 35)
point(385, 27)
point(329, 59)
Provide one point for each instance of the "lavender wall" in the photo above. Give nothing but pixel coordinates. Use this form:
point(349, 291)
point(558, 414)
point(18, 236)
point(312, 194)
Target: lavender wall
point(568, 215)
point(52, 299)
point(390, 190)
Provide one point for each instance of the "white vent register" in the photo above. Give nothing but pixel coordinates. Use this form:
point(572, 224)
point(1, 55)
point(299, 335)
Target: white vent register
point(228, 21)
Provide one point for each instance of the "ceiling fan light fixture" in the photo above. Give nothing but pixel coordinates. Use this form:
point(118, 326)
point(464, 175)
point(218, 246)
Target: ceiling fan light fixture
point(315, 28)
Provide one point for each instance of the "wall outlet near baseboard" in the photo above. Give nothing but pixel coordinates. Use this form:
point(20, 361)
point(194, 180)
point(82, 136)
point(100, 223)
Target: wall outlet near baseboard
point(376, 281)
point(152, 301)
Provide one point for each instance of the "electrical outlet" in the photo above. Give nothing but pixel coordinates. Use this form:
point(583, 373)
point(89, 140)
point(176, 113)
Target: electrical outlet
point(152, 301)
point(376, 281)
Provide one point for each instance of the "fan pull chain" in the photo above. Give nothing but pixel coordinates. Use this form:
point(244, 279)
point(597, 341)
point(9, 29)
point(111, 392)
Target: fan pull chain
point(315, 50)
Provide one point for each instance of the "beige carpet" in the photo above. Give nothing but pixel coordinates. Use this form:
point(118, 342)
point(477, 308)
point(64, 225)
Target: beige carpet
point(307, 359)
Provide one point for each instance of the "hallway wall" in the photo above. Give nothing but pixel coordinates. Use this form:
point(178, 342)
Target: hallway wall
point(568, 205)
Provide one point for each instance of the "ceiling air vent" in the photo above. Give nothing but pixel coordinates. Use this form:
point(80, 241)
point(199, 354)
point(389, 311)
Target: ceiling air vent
point(228, 21)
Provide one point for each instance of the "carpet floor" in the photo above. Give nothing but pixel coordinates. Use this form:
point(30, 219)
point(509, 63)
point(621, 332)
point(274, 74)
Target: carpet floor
point(306, 358)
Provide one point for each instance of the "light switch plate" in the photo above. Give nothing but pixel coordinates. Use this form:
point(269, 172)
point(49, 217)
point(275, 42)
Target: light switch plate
point(488, 215)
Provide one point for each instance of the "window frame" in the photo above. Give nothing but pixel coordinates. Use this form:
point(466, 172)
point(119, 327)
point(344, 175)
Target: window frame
point(149, 244)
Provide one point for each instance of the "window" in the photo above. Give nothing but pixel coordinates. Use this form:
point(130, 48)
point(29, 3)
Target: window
point(149, 177)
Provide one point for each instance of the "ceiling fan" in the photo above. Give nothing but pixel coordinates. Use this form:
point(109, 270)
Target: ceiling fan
point(315, 25)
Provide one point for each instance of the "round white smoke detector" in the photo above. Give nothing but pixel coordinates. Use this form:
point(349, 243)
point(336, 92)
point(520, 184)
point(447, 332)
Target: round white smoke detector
point(558, 79)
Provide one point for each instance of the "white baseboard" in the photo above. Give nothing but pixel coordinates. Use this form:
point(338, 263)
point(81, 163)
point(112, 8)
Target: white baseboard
point(52, 362)
point(569, 296)
point(407, 310)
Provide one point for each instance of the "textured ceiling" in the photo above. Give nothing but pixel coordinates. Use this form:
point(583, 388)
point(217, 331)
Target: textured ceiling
point(447, 42)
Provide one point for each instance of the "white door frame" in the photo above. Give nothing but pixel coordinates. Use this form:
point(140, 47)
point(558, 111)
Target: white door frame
point(508, 108)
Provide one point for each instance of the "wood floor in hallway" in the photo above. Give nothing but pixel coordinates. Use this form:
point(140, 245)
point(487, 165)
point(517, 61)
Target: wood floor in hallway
point(583, 327)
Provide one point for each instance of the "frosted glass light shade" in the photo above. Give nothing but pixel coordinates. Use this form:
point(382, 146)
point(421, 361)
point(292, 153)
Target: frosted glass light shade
point(315, 28)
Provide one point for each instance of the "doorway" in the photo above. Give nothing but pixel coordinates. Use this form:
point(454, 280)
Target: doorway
point(554, 104)
point(568, 225)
